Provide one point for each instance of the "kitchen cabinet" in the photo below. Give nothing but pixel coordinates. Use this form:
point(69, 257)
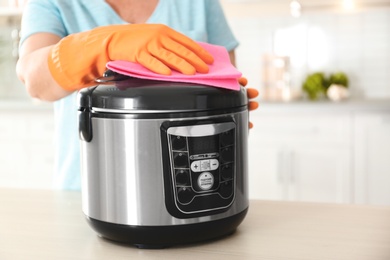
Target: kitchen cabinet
point(372, 157)
point(300, 157)
point(316, 173)
point(323, 151)
point(26, 155)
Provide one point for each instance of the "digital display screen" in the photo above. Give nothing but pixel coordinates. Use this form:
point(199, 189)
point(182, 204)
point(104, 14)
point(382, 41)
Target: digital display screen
point(204, 144)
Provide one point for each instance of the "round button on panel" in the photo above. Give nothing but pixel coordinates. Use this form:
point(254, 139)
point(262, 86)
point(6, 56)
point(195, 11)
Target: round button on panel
point(182, 178)
point(227, 171)
point(226, 189)
point(227, 154)
point(179, 143)
point(227, 138)
point(184, 195)
point(205, 181)
point(180, 160)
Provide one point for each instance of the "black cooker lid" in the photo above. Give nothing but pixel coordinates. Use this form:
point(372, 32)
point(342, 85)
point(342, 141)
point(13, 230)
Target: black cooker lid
point(135, 95)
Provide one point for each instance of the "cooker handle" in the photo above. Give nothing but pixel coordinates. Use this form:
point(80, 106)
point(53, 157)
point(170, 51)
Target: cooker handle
point(85, 114)
point(85, 124)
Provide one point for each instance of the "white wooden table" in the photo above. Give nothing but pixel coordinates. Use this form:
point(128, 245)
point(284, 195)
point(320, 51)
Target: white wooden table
point(43, 224)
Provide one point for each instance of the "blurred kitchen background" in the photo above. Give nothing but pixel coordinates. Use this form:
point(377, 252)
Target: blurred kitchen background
point(352, 36)
point(330, 147)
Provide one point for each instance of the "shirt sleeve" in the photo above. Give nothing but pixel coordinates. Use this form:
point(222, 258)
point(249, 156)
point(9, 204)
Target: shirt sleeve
point(41, 16)
point(218, 29)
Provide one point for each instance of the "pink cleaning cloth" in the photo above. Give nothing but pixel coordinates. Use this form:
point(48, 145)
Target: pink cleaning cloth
point(221, 73)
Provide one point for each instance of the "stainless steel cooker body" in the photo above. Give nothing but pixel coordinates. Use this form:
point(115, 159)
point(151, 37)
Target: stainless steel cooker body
point(123, 170)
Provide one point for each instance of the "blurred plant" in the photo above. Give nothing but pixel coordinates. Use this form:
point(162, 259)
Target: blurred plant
point(316, 84)
point(339, 78)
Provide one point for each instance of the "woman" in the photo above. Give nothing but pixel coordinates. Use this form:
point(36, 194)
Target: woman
point(65, 44)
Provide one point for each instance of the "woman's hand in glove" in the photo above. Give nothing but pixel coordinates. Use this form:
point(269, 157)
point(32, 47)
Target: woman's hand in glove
point(78, 59)
point(251, 93)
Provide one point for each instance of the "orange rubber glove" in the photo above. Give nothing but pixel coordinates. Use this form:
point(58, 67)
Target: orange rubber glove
point(251, 93)
point(78, 59)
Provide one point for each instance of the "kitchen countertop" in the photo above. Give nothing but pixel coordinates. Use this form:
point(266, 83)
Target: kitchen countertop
point(45, 224)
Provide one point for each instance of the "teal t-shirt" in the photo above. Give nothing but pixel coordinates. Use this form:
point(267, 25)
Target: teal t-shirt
point(201, 20)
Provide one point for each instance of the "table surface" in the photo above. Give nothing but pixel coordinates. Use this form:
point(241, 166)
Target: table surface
point(44, 224)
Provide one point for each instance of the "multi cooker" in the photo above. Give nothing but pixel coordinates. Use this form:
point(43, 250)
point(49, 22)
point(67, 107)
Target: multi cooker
point(163, 163)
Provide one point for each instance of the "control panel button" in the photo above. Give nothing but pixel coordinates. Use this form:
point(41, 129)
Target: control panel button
point(227, 171)
point(180, 160)
point(226, 189)
point(214, 164)
point(204, 165)
point(182, 178)
point(195, 166)
point(227, 154)
point(205, 181)
point(179, 143)
point(184, 195)
point(227, 138)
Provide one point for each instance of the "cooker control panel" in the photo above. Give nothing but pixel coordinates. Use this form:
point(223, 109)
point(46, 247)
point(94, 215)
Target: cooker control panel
point(202, 167)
